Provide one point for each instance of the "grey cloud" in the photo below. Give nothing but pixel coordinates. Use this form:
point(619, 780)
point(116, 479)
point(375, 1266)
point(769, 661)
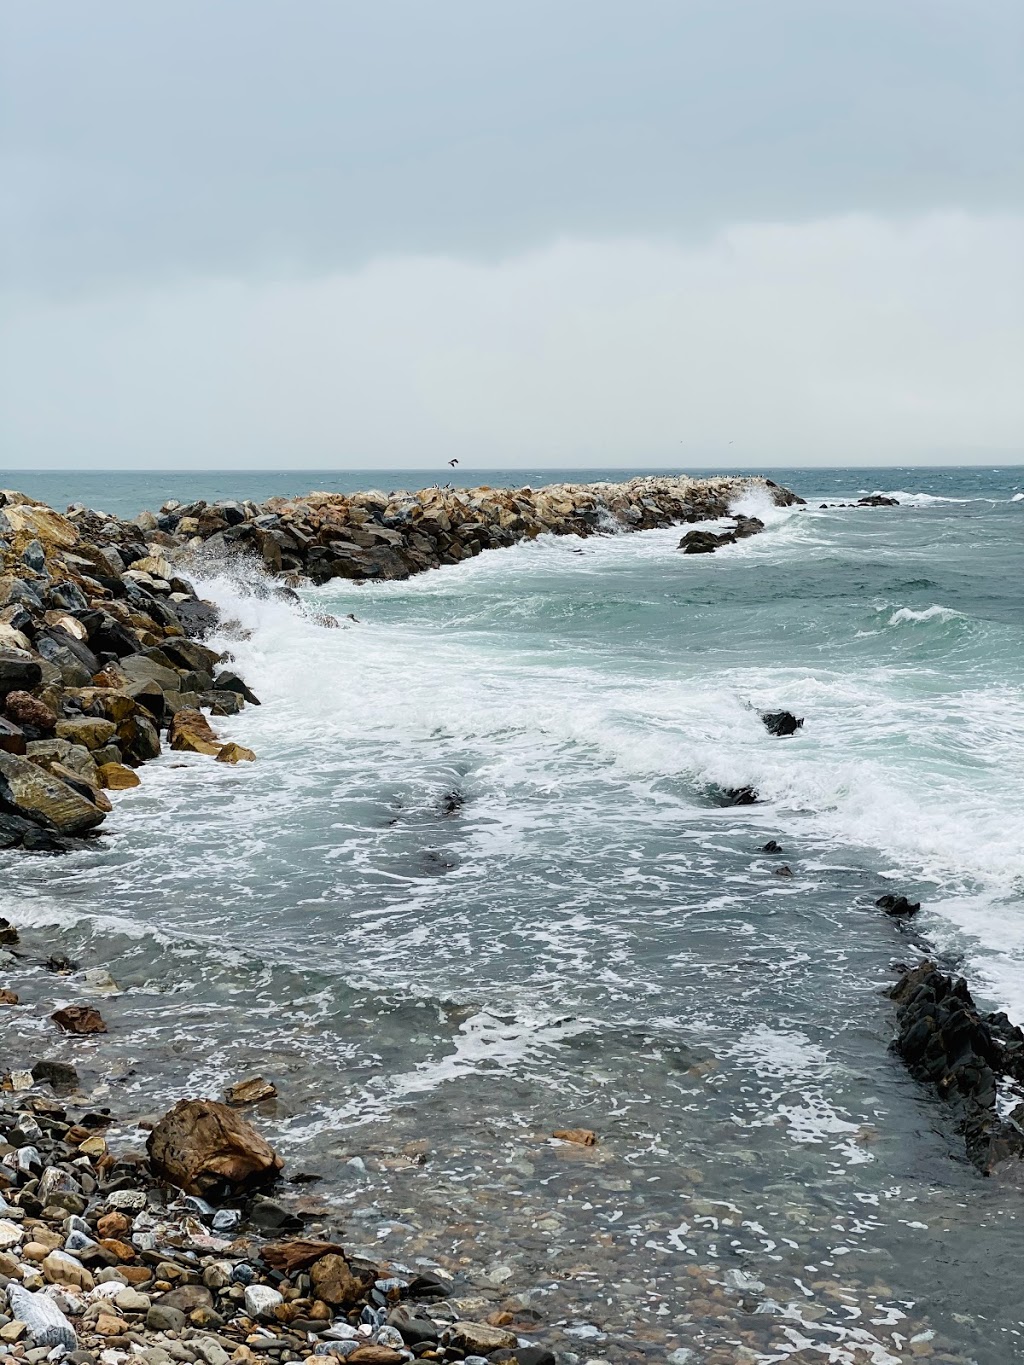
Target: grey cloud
point(145, 142)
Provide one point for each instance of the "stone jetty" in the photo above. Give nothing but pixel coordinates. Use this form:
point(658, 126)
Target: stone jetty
point(394, 535)
point(101, 630)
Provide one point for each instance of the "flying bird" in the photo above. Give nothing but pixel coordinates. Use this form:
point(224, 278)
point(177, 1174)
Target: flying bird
point(453, 463)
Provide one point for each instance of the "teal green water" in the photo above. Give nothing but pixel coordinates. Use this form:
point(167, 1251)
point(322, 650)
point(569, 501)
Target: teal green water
point(585, 936)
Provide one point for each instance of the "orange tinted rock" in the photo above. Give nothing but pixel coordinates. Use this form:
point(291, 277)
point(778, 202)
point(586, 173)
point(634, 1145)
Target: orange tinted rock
point(79, 1019)
point(204, 1147)
point(583, 1136)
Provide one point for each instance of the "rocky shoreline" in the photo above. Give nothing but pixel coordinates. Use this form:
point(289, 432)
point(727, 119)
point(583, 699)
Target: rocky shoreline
point(101, 628)
point(115, 1245)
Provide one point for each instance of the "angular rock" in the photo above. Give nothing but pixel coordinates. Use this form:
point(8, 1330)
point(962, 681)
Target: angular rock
point(116, 777)
point(79, 1019)
point(206, 1148)
point(252, 1090)
point(12, 737)
point(334, 1281)
point(190, 731)
point(30, 713)
point(19, 672)
point(898, 906)
point(29, 792)
point(479, 1338)
point(235, 753)
point(46, 1323)
point(89, 731)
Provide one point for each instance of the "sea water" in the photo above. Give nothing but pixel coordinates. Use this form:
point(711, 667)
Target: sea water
point(480, 885)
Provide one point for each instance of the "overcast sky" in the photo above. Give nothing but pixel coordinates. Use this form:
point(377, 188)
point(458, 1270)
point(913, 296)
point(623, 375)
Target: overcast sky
point(250, 233)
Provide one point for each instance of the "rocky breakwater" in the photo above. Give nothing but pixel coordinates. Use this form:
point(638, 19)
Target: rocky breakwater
point(110, 1253)
point(973, 1060)
point(375, 535)
point(101, 661)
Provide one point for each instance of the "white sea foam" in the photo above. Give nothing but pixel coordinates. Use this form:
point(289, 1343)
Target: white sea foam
point(904, 615)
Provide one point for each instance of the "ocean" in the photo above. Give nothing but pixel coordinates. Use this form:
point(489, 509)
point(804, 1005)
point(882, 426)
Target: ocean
point(479, 885)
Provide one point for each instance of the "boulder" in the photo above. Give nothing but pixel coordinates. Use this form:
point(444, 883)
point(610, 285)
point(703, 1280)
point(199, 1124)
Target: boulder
point(79, 1019)
point(59, 1075)
point(253, 1090)
point(877, 500)
point(29, 792)
point(235, 753)
point(191, 731)
point(740, 796)
point(231, 682)
point(197, 618)
point(90, 731)
point(781, 723)
point(705, 542)
point(207, 1149)
point(138, 740)
point(479, 1338)
point(898, 906)
point(46, 1323)
point(30, 713)
point(12, 737)
point(116, 777)
point(19, 671)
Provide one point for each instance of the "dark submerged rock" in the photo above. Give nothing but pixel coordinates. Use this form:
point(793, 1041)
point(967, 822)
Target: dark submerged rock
point(898, 906)
point(781, 723)
point(740, 796)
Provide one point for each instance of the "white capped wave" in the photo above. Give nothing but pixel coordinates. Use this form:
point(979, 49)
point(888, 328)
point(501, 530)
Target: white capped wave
point(910, 499)
point(1017, 497)
point(932, 613)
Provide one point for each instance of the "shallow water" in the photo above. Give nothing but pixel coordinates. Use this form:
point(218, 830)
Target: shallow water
point(478, 886)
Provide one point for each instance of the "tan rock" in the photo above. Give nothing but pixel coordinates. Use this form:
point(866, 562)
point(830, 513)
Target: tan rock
point(13, 1330)
point(480, 1339)
point(235, 753)
point(41, 797)
point(124, 1251)
point(191, 731)
point(583, 1136)
point(42, 524)
point(335, 1282)
point(8, 997)
point(79, 1019)
point(91, 731)
point(250, 1091)
point(107, 1325)
point(204, 1147)
point(115, 777)
point(60, 1268)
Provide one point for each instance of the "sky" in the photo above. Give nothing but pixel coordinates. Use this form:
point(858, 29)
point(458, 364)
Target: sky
point(258, 234)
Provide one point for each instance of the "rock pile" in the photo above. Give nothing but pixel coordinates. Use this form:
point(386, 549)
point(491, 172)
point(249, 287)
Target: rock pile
point(101, 1262)
point(379, 535)
point(964, 1054)
point(100, 653)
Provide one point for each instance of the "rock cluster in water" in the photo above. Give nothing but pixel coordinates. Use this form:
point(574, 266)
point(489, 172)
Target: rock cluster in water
point(100, 662)
point(947, 1042)
point(380, 536)
point(106, 1258)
